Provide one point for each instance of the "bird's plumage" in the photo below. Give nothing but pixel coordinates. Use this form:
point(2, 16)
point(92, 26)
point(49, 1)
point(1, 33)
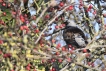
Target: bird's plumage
point(74, 36)
point(80, 41)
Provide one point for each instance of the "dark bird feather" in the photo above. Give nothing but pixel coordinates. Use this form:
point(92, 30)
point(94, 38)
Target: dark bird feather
point(69, 36)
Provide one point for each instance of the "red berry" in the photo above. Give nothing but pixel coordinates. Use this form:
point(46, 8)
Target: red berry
point(90, 6)
point(29, 65)
point(60, 26)
point(50, 29)
point(94, 12)
point(10, 34)
point(41, 41)
point(60, 60)
point(53, 69)
point(48, 49)
point(70, 46)
point(56, 27)
point(69, 59)
point(70, 8)
point(3, 4)
point(89, 63)
point(1, 41)
point(92, 64)
point(9, 5)
point(37, 31)
point(34, 70)
point(43, 61)
point(47, 16)
point(25, 15)
point(57, 53)
point(103, 69)
point(51, 9)
point(80, 6)
point(42, 45)
point(34, 17)
point(84, 50)
point(22, 18)
point(58, 8)
point(7, 55)
point(73, 48)
point(27, 68)
point(71, 51)
point(1, 1)
point(4, 13)
point(53, 60)
point(53, 40)
point(88, 10)
point(0, 52)
point(25, 27)
point(12, 70)
point(63, 25)
point(13, 13)
point(56, 19)
point(21, 28)
point(87, 55)
point(58, 46)
point(61, 4)
point(63, 48)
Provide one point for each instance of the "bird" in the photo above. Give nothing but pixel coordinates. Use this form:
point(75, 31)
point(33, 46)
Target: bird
point(74, 36)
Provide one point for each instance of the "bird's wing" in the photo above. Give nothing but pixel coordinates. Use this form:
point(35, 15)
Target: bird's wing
point(80, 41)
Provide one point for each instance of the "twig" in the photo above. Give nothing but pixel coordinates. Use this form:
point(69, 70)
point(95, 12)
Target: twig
point(99, 46)
point(92, 47)
point(63, 69)
point(94, 38)
point(39, 57)
point(37, 20)
point(86, 66)
point(43, 53)
point(36, 4)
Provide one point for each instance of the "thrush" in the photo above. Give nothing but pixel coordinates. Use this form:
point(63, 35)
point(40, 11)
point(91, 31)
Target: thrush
point(74, 36)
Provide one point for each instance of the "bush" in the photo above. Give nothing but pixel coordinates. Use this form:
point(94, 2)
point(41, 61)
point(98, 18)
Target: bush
point(32, 35)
